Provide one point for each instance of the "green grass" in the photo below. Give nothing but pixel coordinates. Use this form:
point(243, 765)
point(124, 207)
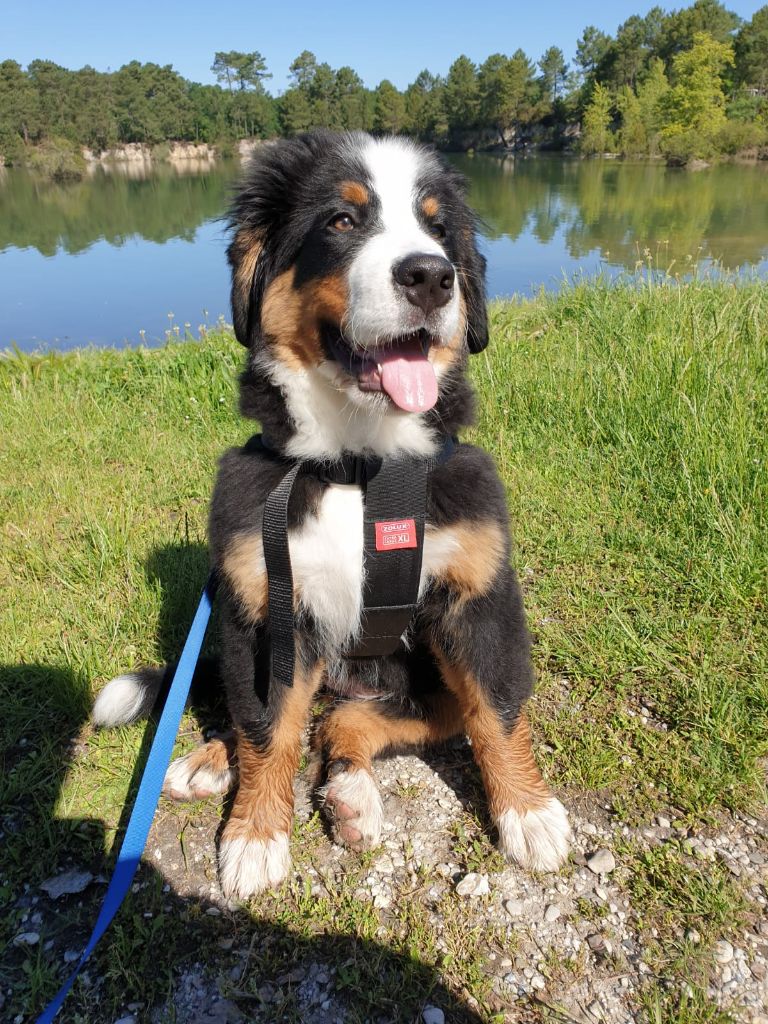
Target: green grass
point(629, 425)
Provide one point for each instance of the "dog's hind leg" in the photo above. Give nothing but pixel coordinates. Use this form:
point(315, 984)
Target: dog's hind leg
point(349, 738)
point(206, 771)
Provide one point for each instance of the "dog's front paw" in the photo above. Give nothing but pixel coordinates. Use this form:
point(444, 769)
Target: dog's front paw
point(248, 866)
point(538, 839)
point(352, 805)
point(202, 773)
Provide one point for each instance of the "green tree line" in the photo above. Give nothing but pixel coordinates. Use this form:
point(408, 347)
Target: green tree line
point(686, 83)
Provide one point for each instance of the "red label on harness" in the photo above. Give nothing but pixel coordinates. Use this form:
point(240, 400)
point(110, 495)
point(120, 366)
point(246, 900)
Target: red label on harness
point(397, 533)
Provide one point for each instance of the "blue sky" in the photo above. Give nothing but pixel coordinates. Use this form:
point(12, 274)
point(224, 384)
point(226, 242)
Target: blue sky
point(394, 39)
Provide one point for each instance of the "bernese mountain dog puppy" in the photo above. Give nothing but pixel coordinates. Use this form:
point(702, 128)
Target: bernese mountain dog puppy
point(358, 290)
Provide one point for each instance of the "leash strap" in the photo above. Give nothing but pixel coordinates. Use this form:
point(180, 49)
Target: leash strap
point(149, 791)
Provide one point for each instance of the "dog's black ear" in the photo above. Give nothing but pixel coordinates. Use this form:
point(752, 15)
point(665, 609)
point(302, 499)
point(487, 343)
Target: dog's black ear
point(260, 215)
point(473, 286)
point(246, 258)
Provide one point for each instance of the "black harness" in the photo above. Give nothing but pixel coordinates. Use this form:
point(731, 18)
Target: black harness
point(394, 512)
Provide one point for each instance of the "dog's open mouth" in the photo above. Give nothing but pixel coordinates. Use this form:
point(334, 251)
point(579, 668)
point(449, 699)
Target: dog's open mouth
point(399, 368)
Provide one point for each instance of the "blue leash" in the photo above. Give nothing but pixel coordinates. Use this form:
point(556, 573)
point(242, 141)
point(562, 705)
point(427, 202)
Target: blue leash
point(149, 791)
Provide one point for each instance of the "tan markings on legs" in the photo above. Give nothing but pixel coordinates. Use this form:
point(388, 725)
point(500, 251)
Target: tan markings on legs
point(264, 801)
point(254, 849)
point(357, 732)
point(244, 568)
point(532, 823)
point(504, 757)
point(205, 771)
point(291, 317)
point(354, 192)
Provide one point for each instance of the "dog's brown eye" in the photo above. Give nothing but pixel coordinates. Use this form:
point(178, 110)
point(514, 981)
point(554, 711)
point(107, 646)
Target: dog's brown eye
point(342, 222)
point(437, 231)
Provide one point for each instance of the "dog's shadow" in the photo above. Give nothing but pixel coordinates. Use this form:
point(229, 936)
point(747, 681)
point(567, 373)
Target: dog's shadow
point(162, 941)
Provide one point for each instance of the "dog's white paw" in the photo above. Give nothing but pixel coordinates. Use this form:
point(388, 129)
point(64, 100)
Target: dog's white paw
point(190, 778)
point(249, 866)
point(352, 803)
point(538, 839)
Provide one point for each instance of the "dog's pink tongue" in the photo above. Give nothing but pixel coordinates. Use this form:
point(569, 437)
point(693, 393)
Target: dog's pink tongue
point(408, 377)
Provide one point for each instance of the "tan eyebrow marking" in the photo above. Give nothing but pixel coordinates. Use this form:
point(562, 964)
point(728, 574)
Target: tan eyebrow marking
point(430, 206)
point(354, 192)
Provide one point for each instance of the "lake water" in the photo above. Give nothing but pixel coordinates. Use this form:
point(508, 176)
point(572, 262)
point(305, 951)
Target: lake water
point(118, 260)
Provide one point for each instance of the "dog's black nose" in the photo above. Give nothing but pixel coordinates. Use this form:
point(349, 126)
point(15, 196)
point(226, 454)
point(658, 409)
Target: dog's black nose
point(426, 279)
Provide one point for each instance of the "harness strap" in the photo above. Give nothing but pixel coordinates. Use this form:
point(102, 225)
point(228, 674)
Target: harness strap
point(395, 495)
point(277, 558)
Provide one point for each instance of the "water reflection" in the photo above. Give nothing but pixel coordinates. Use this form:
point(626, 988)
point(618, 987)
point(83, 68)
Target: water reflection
point(124, 200)
point(617, 209)
point(103, 259)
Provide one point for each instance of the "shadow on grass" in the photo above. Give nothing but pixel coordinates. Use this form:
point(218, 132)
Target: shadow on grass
point(163, 946)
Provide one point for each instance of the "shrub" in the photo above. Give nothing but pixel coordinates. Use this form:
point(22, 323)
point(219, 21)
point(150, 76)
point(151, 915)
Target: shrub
point(58, 159)
point(739, 136)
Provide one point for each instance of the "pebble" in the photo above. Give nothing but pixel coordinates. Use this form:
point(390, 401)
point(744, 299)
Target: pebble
point(473, 884)
point(662, 821)
point(27, 939)
point(70, 956)
point(551, 913)
point(514, 908)
point(693, 936)
point(66, 884)
point(538, 982)
point(432, 1015)
point(723, 951)
point(596, 942)
point(129, 1019)
point(601, 862)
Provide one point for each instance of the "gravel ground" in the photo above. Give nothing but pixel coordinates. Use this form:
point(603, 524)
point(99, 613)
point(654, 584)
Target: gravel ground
point(575, 942)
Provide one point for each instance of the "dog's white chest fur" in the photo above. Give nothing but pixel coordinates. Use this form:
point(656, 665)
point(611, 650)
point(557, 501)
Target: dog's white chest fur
point(327, 562)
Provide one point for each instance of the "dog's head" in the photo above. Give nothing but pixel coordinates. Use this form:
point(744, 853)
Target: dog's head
point(357, 285)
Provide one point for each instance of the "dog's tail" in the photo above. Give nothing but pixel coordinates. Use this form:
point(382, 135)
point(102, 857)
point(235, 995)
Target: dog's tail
point(132, 696)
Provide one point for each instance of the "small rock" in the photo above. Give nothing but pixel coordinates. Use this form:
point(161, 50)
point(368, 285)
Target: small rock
point(473, 884)
point(723, 951)
point(27, 939)
point(693, 936)
point(663, 821)
point(538, 982)
point(514, 907)
point(759, 971)
point(432, 1015)
point(596, 943)
point(128, 1019)
point(71, 956)
point(67, 884)
point(551, 913)
point(225, 944)
point(601, 862)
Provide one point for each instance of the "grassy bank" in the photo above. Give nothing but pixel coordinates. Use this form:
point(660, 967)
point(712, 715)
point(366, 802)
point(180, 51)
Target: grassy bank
point(630, 428)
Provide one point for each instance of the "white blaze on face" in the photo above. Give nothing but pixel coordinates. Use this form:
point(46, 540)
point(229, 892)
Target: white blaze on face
point(378, 311)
